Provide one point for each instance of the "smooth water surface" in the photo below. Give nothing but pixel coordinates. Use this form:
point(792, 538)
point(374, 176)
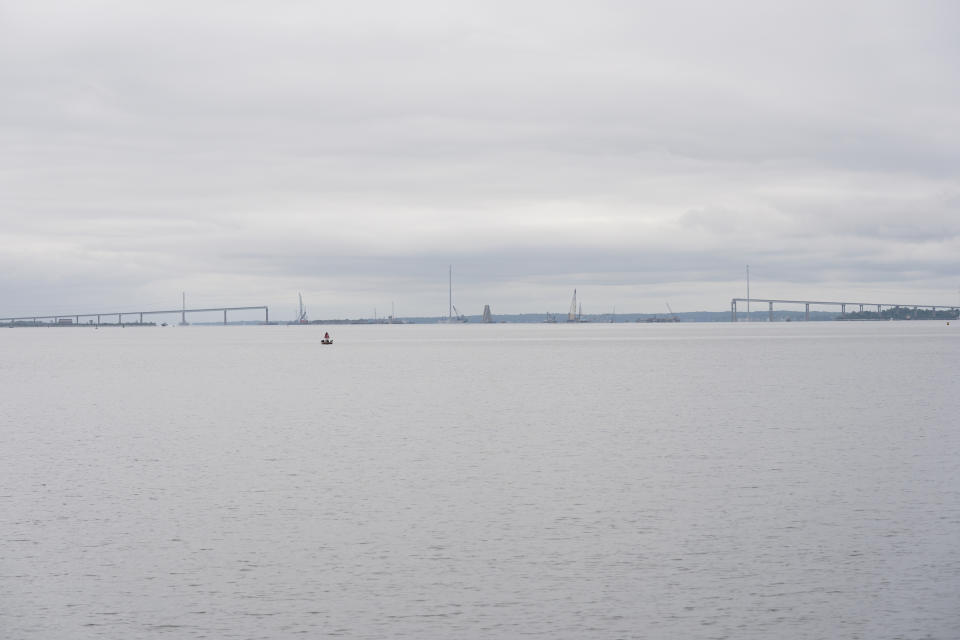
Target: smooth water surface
point(481, 481)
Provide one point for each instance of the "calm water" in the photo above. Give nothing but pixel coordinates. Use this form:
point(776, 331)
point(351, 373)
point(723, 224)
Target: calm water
point(793, 480)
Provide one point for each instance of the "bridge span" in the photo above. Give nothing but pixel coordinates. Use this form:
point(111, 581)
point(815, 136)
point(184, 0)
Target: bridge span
point(138, 314)
point(843, 306)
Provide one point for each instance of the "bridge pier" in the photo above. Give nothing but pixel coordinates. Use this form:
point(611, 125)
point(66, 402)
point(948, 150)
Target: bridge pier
point(266, 312)
point(770, 317)
point(733, 311)
point(843, 309)
point(141, 318)
point(224, 316)
point(98, 320)
point(806, 312)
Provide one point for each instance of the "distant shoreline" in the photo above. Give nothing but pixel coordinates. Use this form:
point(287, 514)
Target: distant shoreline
point(537, 318)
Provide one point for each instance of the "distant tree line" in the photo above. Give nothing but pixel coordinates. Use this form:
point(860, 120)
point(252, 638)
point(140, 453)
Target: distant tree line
point(902, 313)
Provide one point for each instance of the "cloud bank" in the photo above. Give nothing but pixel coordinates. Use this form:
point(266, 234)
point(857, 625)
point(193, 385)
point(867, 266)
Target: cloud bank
point(641, 152)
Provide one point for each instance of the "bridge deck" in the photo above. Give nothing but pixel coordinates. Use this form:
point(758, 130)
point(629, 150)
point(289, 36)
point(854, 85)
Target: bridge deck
point(841, 304)
point(120, 314)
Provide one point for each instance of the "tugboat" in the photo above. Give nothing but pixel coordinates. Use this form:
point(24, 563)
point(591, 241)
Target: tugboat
point(326, 338)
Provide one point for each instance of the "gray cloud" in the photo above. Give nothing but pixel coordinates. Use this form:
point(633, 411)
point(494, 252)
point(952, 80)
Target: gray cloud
point(244, 151)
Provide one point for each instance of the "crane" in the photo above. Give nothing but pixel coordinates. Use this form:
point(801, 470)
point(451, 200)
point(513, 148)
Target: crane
point(673, 316)
point(302, 313)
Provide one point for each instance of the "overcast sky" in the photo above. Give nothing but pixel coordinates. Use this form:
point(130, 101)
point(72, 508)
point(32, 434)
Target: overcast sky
point(642, 152)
